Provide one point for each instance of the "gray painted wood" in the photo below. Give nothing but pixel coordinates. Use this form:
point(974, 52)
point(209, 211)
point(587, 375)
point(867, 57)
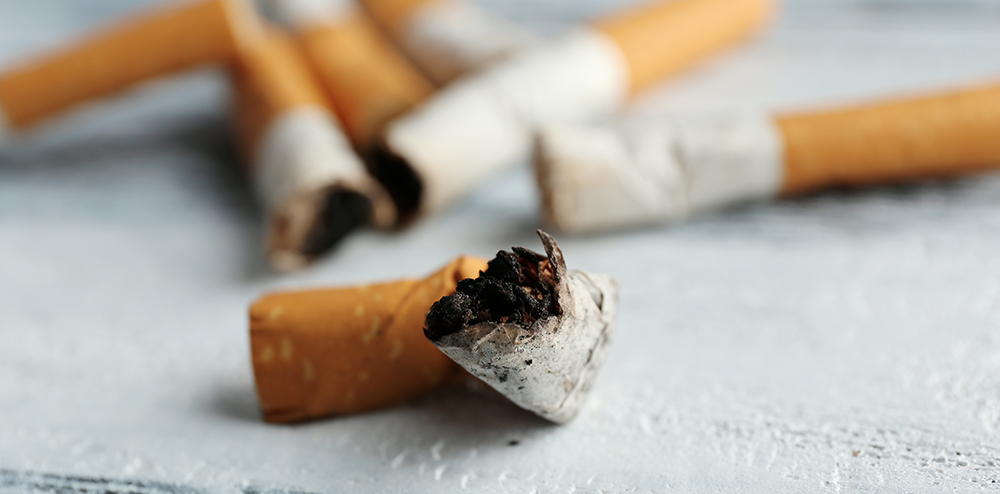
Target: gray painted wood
point(840, 342)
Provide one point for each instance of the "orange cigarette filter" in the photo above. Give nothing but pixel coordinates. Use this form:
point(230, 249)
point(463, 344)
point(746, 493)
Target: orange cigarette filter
point(662, 39)
point(271, 79)
point(907, 139)
point(394, 14)
point(346, 350)
point(142, 48)
point(369, 81)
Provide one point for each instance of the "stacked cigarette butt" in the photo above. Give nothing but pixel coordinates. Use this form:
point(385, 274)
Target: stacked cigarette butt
point(313, 187)
point(531, 329)
point(595, 178)
point(369, 82)
point(346, 350)
point(148, 46)
point(447, 38)
point(483, 123)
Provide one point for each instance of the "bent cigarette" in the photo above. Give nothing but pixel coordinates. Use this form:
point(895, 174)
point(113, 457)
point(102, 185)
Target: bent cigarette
point(347, 350)
point(595, 179)
point(314, 188)
point(447, 38)
point(148, 46)
point(530, 329)
point(484, 123)
point(369, 82)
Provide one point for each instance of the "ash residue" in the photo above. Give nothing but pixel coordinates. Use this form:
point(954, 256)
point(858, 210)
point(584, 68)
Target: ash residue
point(516, 288)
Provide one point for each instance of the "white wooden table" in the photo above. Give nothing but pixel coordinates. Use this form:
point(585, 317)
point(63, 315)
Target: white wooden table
point(848, 341)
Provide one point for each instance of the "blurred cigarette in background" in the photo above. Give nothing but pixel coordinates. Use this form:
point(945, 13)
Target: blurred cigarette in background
point(595, 178)
point(313, 187)
point(447, 38)
point(145, 47)
point(368, 81)
point(347, 350)
point(481, 124)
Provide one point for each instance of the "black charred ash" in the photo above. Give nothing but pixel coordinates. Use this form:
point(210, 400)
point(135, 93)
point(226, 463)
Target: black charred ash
point(517, 287)
point(398, 178)
point(343, 211)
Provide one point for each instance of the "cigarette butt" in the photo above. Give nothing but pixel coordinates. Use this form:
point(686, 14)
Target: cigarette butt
point(346, 350)
point(313, 186)
point(447, 38)
point(156, 44)
point(934, 136)
point(660, 39)
point(594, 179)
point(483, 123)
point(530, 329)
point(369, 82)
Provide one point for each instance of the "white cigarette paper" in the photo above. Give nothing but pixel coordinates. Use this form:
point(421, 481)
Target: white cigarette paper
point(313, 186)
point(303, 14)
point(484, 123)
point(302, 158)
point(599, 178)
point(543, 360)
point(448, 38)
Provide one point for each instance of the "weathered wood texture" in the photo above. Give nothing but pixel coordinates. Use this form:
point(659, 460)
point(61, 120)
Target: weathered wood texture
point(848, 341)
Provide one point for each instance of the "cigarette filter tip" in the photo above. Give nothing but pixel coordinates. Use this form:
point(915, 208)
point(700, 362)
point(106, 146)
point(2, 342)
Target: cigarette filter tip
point(159, 43)
point(937, 135)
point(530, 329)
point(660, 38)
point(346, 350)
point(5, 129)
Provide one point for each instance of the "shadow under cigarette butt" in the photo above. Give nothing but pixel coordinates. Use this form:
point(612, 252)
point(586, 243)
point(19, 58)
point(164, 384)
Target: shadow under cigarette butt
point(458, 421)
point(235, 400)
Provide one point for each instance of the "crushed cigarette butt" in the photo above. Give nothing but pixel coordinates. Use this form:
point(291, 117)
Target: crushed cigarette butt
point(530, 329)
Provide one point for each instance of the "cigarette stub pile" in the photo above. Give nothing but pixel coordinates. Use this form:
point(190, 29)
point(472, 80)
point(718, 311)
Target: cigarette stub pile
point(341, 131)
point(379, 113)
point(485, 122)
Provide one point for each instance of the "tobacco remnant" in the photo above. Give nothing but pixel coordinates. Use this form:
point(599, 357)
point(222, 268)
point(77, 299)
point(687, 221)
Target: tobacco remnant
point(398, 178)
point(343, 211)
point(517, 288)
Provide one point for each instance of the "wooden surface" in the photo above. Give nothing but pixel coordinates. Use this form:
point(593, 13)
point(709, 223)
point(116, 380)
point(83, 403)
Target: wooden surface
point(848, 341)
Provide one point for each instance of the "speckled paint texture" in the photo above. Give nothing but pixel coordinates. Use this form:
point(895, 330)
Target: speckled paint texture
point(843, 342)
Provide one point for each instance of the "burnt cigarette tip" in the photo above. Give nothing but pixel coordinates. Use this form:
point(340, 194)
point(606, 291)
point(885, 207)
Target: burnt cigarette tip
point(517, 287)
point(324, 222)
point(530, 329)
point(343, 212)
point(399, 179)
